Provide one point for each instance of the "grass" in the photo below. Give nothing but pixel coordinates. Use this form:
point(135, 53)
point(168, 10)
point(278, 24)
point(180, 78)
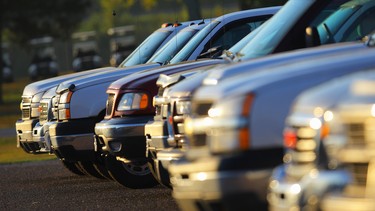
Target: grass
point(9, 153)
point(9, 113)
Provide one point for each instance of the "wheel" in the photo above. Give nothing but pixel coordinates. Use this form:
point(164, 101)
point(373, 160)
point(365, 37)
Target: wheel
point(89, 169)
point(102, 169)
point(73, 167)
point(132, 175)
point(159, 172)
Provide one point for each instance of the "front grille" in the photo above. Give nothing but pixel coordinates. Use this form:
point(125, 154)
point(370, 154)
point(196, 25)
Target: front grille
point(355, 133)
point(43, 116)
point(201, 109)
point(109, 106)
point(305, 150)
point(26, 99)
point(198, 140)
point(359, 172)
point(26, 113)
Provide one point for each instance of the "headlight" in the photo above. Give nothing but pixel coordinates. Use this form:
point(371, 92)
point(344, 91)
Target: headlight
point(36, 98)
point(65, 97)
point(64, 106)
point(133, 101)
point(183, 107)
point(230, 131)
point(35, 101)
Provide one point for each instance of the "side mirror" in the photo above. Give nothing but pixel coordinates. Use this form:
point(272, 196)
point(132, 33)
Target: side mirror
point(312, 37)
point(212, 52)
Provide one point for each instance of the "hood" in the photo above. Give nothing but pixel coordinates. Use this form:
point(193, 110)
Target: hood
point(319, 69)
point(280, 59)
point(149, 78)
point(103, 77)
point(186, 87)
point(43, 85)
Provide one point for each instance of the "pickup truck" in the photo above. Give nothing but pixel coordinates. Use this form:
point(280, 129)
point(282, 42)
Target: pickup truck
point(71, 134)
point(121, 134)
point(352, 132)
point(167, 144)
point(335, 118)
point(241, 120)
point(33, 93)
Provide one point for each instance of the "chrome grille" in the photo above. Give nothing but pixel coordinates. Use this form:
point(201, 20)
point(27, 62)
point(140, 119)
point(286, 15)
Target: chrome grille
point(355, 133)
point(109, 106)
point(26, 113)
point(359, 171)
point(26, 99)
point(201, 109)
point(305, 150)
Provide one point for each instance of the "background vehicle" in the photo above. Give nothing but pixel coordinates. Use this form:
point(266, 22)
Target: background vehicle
point(43, 63)
point(85, 51)
point(122, 132)
point(122, 43)
point(7, 65)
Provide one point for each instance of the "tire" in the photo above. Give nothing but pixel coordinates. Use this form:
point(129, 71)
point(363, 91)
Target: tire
point(73, 167)
point(102, 169)
point(159, 174)
point(89, 169)
point(131, 175)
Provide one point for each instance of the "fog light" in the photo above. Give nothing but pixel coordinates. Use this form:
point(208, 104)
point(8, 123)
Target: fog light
point(115, 146)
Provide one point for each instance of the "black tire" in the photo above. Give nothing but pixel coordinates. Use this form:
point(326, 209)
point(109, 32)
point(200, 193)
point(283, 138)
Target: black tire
point(89, 169)
point(102, 169)
point(73, 167)
point(131, 175)
point(161, 174)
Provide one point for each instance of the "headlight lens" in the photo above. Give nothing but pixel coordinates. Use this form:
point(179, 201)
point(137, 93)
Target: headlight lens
point(65, 97)
point(35, 101)
point(183, 107)
point(133, 101)
point(64, 107)
point(36, 98)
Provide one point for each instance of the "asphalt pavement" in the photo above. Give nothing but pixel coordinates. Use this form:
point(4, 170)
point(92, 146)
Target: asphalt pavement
point(47, 185)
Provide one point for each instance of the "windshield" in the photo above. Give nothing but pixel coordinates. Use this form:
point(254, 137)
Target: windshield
point(186, 51)
point(169, 50)
point(266, 40)
point(146, 49)
point(334, 22)
point(239, 45)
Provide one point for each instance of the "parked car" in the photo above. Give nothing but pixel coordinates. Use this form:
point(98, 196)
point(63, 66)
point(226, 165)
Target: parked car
point(85, 51)
point(85, 111)
point(7, 69)
point(166, 144)
point(122, 43)
point(43, 63)
point(166, 140)
point(121, 134)
point(241, 119)
point(352, 129)
point(33, 92)
point(311, 170)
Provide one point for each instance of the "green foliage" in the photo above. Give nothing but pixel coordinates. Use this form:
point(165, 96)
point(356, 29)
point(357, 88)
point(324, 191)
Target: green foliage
point(25, 19)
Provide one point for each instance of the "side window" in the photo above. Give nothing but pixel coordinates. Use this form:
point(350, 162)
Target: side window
point(230, 35)
point(362, 27)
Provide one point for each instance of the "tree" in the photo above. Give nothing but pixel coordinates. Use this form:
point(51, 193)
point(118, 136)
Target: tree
point(25, 19)
point(250, 4)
